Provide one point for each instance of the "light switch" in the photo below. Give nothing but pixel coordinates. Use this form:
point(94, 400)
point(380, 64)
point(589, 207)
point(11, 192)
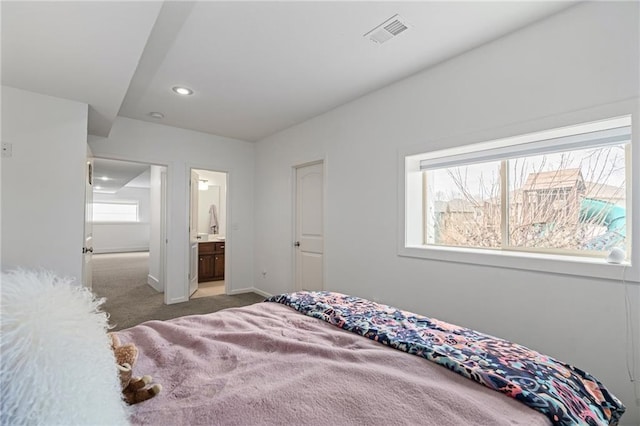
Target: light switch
point(7, 149)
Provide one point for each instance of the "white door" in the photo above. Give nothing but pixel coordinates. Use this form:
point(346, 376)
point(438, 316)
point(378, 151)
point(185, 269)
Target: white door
point(87, 248)
point(309, 214)
point(193, 233)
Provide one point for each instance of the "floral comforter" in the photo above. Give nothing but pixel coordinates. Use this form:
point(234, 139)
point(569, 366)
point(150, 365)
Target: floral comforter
point(565, 394)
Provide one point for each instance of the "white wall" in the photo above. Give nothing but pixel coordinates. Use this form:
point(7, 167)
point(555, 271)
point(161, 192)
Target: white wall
point(43, 185)
point(114, 237)
point(181, 150)
point(549, 74)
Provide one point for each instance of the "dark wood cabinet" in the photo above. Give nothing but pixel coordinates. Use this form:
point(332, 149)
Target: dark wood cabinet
point(205, 267)
point(210, 261)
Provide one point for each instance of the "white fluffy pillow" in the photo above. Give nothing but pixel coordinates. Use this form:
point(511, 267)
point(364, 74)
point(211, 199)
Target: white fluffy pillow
point(57, 366)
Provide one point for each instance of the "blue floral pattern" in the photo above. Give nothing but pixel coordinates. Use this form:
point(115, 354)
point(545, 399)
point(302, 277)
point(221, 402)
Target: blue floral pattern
point(565, 394)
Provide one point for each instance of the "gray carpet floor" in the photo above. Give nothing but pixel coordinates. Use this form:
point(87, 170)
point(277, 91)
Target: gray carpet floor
point(121, 278)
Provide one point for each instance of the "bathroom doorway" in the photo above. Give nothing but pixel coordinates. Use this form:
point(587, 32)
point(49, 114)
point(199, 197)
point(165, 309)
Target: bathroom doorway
point(208, 232)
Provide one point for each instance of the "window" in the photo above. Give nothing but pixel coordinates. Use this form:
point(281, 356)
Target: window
point(122, 211)
point(563, 193)
point(462, 205)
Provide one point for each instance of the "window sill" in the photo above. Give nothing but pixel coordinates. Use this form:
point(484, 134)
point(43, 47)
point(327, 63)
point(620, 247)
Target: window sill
point(568, 265)
point(119, 223)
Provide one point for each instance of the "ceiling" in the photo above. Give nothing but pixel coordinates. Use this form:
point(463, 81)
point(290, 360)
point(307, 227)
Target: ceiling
point(109, 176)
point(255, 67)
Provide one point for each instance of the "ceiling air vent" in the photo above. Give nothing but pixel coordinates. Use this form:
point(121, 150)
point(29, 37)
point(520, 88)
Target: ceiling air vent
point(387, 30)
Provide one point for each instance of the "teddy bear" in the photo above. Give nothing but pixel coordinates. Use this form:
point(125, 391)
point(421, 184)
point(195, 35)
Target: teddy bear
point(134, 389)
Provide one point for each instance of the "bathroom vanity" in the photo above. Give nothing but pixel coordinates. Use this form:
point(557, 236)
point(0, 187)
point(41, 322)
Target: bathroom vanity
point(210, 261)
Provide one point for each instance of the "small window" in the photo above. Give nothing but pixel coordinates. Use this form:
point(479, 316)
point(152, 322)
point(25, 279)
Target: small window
point(561, 192)
point(115, 212)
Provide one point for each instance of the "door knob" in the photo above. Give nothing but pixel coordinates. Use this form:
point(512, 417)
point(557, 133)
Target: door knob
point(297, 244)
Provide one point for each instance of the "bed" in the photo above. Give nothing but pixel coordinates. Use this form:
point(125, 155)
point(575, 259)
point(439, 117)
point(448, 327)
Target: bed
point(327, 358)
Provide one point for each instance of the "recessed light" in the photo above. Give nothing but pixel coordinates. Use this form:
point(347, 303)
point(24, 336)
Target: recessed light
point(157, 115)
point(104, 178)
point(182, 90)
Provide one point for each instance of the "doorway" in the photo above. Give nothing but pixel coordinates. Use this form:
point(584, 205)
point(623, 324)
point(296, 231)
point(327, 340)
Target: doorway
point(309, 226)
point(128, 218)
point(208, 207)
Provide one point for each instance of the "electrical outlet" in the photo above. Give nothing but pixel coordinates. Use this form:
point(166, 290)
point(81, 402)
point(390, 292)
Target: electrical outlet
point(7, 149)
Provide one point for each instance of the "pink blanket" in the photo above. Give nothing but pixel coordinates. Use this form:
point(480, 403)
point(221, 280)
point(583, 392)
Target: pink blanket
point(270, 365)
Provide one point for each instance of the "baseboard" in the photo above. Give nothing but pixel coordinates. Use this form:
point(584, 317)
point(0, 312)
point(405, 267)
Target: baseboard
point(154, 283)
point(178, 300)
point(240, 291)
point(261, 293)
point(119, 249)
point(248, 290)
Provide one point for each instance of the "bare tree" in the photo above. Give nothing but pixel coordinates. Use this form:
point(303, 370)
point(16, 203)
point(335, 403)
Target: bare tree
point(560, 201)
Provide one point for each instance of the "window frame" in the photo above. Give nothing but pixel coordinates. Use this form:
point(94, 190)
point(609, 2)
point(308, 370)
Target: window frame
point(505, 214)
point(123, 222)
point(411, 214)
